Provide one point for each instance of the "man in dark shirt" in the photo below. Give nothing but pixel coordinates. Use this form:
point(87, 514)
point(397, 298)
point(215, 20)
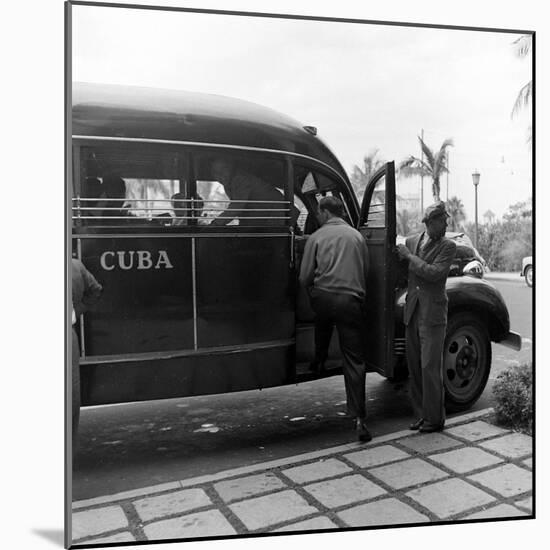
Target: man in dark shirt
point(253, 201)
point(334, 268)
point(429, 255)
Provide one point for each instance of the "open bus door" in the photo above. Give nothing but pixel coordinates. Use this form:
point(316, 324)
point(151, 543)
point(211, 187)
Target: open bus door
point(377, 223)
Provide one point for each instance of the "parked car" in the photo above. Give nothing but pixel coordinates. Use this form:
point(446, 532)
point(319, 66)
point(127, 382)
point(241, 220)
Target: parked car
point(527, 270)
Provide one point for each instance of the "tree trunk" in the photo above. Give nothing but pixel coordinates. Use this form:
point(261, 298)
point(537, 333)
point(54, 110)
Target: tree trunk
point(435, 189)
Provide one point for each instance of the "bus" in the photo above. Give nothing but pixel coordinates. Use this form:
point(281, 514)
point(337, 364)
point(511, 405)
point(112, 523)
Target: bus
point(200, 270)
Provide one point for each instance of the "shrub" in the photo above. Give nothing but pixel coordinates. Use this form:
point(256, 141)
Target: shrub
point(513, 391)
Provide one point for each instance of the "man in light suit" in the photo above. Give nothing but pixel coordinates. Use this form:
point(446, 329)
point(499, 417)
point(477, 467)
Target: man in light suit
point(429, 255)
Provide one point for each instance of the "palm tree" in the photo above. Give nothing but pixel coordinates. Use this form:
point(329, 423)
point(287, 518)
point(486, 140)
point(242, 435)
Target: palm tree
point(522, 48)
point(361, 176)
point(433, 165)
point(489, 217)
point(457, 214)
point(407, 222)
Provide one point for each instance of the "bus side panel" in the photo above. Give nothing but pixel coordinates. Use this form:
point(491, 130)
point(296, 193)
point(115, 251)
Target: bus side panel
point(147, 300)
point(245, 291)
point(184, 376)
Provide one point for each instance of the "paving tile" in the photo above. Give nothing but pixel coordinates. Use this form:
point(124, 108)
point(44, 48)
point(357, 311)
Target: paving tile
point(97, 521)
point(321, 522)
point(449, 497)
point(465, 459)
point(317, 470)
point(271, 509)
point(171, 503)
point(429, 443)
point(511, 446)
point(344, 490)
point(202, 524)
point(126, 495)
point(500, 511)
point(125, 536)
point(474, 431)
point(508, 480)
point(374, 457)
point(407, 473)
point(244, 487)
point(526, 504)
point(388, 511)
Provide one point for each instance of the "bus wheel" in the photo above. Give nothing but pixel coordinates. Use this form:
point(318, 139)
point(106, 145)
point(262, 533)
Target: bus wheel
point(466, 361)
point(529, 275)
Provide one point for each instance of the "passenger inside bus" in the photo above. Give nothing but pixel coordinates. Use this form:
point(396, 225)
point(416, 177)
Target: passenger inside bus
point(91, 193)
point(186, 209)
point(115, 195)
point(253, 201)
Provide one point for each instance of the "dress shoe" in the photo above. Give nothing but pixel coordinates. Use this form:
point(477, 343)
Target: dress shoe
point(427, 428)
point(363, 433)
point(416, 425)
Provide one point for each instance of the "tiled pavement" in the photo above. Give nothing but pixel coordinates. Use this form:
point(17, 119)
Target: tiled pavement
point(472, 470)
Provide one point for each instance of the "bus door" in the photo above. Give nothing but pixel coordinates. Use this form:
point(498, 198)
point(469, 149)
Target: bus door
point(311, 184)
point(377, 223)
point(242, 254)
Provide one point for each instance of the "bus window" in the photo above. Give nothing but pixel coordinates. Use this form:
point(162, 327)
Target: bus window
point(302, 215)
point(377, 207)
point(242, 191)
point(121, 185)
point(311, 186)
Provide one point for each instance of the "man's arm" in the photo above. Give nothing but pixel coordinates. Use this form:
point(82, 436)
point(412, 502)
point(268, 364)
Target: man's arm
point(239, 191)
point(92, 289)
point(229, 214)
point(307, 270)
point(437, 270)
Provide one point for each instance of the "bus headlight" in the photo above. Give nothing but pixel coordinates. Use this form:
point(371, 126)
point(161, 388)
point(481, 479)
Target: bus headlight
point(474, 269)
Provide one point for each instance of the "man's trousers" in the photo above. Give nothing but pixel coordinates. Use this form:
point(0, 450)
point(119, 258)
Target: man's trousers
point(343, 311)
point(425, 362)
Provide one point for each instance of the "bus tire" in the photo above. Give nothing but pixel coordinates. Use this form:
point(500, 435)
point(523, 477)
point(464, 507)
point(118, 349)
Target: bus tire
point(466, 361)
point(529, 275)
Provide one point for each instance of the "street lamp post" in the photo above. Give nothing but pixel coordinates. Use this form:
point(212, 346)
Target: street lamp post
point(475, 178)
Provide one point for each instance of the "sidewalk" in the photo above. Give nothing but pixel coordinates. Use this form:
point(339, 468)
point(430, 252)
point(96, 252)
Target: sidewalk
point(472, 470)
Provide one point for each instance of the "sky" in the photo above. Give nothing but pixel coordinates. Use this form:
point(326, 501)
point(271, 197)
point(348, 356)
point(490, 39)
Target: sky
point(363, 86)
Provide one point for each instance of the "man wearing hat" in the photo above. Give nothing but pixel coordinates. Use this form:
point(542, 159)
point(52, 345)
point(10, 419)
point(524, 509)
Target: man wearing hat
point(429, 255)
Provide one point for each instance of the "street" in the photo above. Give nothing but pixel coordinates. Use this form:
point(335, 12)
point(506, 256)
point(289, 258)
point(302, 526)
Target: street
point(124, 447)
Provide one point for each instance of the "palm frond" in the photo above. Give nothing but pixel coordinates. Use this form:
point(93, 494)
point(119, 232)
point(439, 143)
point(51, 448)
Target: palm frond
point(427, 151)
point(409, 171)
point(440, 163)
point(523, 99)
point(522, 45)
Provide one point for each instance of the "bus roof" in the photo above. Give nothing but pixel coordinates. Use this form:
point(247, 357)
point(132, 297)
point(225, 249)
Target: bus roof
point(172, 115)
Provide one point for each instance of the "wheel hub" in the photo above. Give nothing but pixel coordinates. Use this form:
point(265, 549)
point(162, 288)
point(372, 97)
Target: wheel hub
point(466, 362)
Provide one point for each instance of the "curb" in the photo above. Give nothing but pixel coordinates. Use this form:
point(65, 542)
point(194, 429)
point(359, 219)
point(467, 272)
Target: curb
point(499, 276)
point(244, 470)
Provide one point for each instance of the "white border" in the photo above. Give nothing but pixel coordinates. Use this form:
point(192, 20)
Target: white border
point(32, 427)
